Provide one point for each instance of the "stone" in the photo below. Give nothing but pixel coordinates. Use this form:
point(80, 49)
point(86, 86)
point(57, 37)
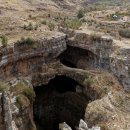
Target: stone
point(83, 125)
point(95, 128)
point(64, 126)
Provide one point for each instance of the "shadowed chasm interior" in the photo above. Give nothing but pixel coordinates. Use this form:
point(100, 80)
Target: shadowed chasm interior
point(75, 57)
point(59, 102)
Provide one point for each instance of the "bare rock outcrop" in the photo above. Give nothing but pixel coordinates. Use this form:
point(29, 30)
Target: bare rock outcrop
point(82, 126)
point(108, 54)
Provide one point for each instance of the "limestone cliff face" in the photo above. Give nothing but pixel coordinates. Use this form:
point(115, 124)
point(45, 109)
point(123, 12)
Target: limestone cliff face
point(106, 54)
point(120, 66)
point(25, 60)
point(100, 47)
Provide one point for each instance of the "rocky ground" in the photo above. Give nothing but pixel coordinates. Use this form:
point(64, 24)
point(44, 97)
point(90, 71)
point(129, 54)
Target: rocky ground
point(97, 60)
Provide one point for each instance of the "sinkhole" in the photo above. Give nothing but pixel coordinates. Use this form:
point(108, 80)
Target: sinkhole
point(58, 102)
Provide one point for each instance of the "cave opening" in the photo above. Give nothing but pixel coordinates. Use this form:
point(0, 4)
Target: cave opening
point(58, 102)
point(67, 63)
point(76, 57)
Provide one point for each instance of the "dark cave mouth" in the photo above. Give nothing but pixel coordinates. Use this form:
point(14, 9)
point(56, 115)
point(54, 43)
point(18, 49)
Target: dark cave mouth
point(59, 102)
point(68, 63)
point(76, 57)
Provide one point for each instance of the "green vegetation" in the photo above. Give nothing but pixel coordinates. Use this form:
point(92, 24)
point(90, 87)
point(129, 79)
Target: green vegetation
point(3, 87)
point(51, 26)
point(4, 41)
point(44, 22)
point(29, 92)
point(23, 90)
point(80, 14)
point(36, 27)
point(18, 101)
point(72, 23)
point(124, 33)
point(27, 41)
point(30, 26)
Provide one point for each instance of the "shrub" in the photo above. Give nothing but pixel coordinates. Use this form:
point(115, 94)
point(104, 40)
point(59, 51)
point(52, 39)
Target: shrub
point(4, 41)
point(3, 87)
point(83, 20)
point(30, 16)
point(27, 41)
point(80, 14)
point(25, 26)
point(30, 26)
point(18, 101)
point(73, 23)
point(36, 27)
point(44, 22)
point(51, 26)
point(124, 33)
point(30, 94)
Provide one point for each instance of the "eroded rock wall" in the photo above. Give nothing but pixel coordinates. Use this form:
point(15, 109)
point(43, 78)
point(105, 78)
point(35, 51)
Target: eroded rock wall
point(23, 60)
point(100, 46)
point(111, 56)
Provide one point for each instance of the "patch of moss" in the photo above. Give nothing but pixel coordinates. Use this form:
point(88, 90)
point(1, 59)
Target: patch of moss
point(29, 92)
point(3, 87)
point(23, 89)
point(4, 41)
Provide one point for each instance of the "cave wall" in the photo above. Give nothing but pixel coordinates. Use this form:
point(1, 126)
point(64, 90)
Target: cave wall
point(80, 58)
point(23, 60)
point(99, 47)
